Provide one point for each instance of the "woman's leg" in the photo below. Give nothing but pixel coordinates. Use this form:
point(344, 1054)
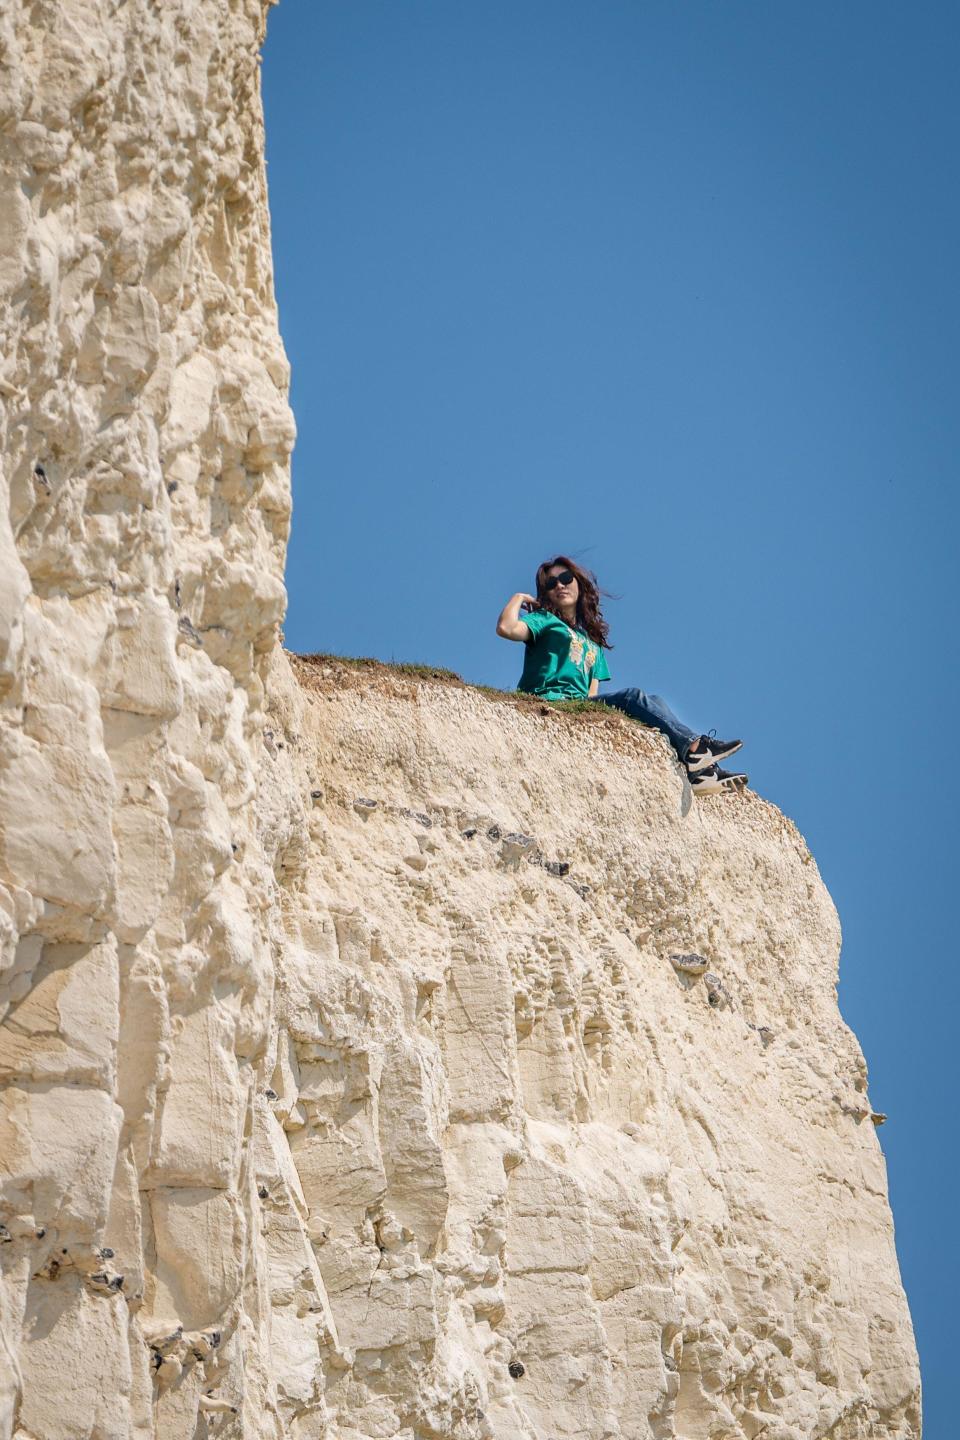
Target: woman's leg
point(653, 710)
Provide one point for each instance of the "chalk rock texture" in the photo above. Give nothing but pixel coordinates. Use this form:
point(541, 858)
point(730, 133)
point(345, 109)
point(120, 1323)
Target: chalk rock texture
point(565, 1111)
point(144, 444)
point(379, 1058)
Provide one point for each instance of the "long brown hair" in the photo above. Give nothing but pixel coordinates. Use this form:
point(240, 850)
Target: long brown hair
point(589, 617)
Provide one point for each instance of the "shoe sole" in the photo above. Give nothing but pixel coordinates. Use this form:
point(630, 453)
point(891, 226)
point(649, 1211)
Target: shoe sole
point(706, 760)
point(740, 783)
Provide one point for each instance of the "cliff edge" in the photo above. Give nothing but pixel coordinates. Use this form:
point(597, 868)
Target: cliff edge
point(379, 1057)
point(579, 1139)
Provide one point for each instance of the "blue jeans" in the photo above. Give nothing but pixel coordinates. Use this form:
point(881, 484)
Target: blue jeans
point(653, 710)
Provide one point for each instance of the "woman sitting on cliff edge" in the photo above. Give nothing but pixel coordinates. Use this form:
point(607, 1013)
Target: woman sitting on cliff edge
point(566, 642)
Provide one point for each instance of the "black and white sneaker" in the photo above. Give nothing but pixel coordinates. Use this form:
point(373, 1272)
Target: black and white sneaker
point(708, 751)
point(714, 780)
point(705, 782)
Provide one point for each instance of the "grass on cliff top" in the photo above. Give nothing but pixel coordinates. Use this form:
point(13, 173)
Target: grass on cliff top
point(367, 662)
point(412, 670)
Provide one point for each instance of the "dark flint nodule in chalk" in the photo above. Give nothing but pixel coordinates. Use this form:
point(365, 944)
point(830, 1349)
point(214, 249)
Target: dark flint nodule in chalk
point(689, 964)
point(516, 1370)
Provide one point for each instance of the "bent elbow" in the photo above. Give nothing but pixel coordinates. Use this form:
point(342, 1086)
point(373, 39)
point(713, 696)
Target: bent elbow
point(511, 630)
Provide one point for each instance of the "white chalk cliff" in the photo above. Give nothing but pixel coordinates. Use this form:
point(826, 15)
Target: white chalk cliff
point(379, 1057)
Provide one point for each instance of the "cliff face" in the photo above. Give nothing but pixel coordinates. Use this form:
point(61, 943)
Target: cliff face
point(561, 1083)
point(145, 441)
point(350, 1060)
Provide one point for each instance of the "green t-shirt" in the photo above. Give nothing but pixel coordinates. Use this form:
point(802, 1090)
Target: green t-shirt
point(560, 662)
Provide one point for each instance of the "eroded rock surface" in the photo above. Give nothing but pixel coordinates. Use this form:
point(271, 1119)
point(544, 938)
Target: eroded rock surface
point(378, 1058)
point(581, 1143)
point(145, 440)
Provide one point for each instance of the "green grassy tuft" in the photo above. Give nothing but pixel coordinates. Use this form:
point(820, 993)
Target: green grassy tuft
point(574, 707)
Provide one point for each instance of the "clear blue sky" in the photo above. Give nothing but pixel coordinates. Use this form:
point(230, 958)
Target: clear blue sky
point(672, 287)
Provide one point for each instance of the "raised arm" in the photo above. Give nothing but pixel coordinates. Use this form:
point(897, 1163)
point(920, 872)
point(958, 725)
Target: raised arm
point(510, 626)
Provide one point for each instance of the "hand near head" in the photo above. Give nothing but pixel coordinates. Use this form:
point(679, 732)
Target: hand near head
point(528, 602)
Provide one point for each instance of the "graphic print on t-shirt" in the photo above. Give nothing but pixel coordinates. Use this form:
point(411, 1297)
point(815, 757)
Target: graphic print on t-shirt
point(560, 662)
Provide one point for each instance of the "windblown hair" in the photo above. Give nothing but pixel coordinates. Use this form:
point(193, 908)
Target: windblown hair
point(589, 616)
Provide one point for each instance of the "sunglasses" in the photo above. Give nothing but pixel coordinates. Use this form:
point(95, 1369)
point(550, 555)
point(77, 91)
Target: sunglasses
point(552, 581)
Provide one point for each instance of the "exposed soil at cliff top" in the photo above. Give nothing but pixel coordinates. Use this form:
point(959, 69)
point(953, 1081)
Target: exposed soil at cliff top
point(403, 680)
